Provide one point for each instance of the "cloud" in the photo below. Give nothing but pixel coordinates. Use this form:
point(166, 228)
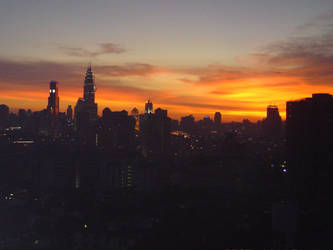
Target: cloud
point(319, 22)
point(104, 48)
point(217, 74)
point(129, 69)
point(36, 73)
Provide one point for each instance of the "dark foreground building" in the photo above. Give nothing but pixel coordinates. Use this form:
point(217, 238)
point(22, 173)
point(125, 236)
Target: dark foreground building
point(309, 137)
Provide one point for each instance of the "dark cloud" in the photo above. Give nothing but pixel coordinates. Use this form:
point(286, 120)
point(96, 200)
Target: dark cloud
point(104, 48)
point(210, 106)
point(217, 74)
point(36, 73)
point(321, 22)
point(308, 57)
point(129, 69)
point(216, 92)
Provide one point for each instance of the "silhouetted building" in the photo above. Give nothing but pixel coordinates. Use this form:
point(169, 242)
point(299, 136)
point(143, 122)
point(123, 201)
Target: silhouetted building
point(89, 87)
point(115, 130)
point(4, 116)
point(149, 107)
point(85, 111)
point(187, 123)
point(217, 118)
point(309, 137)
point(272, 124)
point(155, 132)
point(206, 122)
point(53, 103)
point(69, 113)
point(22, 116)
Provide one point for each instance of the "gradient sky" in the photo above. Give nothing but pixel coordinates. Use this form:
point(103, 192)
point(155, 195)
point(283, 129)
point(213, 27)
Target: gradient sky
point(188, 56)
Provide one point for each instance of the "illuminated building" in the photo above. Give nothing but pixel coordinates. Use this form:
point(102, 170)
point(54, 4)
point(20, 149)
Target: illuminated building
point(53, 101)
point(149, 107)
point(135, 114)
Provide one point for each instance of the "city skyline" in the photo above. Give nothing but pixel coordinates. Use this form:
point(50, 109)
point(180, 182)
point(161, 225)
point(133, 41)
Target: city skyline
point(197, 58)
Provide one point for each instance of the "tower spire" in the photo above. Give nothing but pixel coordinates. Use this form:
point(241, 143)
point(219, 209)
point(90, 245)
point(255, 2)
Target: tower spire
point(89, 86)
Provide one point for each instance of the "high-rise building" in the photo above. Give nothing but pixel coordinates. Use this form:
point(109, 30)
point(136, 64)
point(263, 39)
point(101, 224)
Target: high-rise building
point(4, 116)
point(217, 118)
point(115, 130)
point(85, 111)
point(89, 87)
point(155, 132)
point(272, 124)
point(69, 113)
point(149, 107)
point(187, 124)
point(53, 103)
point(135, 114)
point(309, 137)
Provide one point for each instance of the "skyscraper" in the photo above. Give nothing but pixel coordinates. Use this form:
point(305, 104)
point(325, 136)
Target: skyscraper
point(89, 87)
point(69, 113)
point(85, 111)
point(217, 118)
point(309, 137)
point(53, 103)
point(4, 116)
point(155, 132)
point(149, 107)
point(272, 124)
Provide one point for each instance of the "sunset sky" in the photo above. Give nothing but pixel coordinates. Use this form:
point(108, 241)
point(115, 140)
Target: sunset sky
point(188, 56)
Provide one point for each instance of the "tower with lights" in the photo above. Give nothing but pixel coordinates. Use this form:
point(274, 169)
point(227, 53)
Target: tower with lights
point(53, 100)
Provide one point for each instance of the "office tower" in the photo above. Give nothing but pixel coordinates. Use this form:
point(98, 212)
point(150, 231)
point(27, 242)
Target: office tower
point(53, 104)
point(155, 132)
point(149, 107)
point(89, 87)
point(187, 123)
point(217, 118)
point(115, 130)
point(135, 114)
point(4, 116)
point(272, 124)
point(69, 113)
point(309, 137)
point(85, 111)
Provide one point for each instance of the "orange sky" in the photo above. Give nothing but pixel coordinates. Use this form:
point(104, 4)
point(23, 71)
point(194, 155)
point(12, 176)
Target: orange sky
point(285, 70)
point(242, 94)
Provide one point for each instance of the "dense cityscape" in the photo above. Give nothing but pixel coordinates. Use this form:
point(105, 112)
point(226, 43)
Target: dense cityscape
point(135, 180)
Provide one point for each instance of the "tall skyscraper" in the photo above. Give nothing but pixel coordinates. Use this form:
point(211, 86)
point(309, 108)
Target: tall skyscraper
point(309, 137)
point(217, 118)
point(69, 113)
point(272, 124)
point(155, 132)
point(85, 111)
point(89, 87)
point(149, 107)
point(53, 103)
point(4, 116)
